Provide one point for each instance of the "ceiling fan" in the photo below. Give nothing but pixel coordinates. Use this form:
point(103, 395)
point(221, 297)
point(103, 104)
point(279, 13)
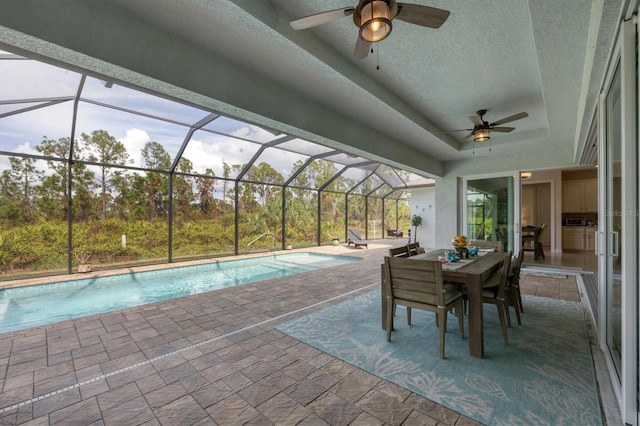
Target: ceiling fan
point(482, 129)
point(373, 18)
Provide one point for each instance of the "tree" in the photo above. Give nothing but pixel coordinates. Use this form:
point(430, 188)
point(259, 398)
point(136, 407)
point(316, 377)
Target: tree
point(9, 200)
point(106, 151)
point(154, 157)
point(183, 189)
point(415, 222)
point(264, 177)
point(26, 177)
point(205, 187)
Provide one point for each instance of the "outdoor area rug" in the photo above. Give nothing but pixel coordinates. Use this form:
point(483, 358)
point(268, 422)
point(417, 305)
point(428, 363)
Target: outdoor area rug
point(545, 376)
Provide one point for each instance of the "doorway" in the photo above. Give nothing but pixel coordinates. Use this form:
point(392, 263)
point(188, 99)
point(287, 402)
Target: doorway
point(536, 209)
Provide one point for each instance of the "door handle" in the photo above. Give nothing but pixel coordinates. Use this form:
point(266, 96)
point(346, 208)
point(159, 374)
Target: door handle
point(616, 240)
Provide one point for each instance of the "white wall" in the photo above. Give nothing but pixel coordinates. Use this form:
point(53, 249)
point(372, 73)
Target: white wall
point(423, 204)
point(447, 210)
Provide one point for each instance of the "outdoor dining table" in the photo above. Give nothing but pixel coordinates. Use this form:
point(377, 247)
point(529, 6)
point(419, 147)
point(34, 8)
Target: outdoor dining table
point(472, 272)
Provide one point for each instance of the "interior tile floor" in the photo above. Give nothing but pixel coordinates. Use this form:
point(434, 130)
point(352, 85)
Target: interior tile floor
point(586, 261)
point(212, 358)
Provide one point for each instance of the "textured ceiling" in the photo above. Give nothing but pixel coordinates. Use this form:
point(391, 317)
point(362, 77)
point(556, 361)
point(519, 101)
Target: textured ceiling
point(542, 57)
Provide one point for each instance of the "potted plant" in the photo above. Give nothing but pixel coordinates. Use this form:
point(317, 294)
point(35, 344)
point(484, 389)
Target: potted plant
point(415, 222)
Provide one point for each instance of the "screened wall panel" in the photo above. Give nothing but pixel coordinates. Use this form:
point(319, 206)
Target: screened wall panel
point(332, 217)
point(21, 133)
point(259, 217)
point(224, 155)
point(143, 179)
point(301, 218)
point(356, 215)
point(33, 241)
point(374, 219)
point(241, 130)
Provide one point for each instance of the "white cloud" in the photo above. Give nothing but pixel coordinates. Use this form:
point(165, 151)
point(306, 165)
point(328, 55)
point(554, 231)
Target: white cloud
point(134, 141)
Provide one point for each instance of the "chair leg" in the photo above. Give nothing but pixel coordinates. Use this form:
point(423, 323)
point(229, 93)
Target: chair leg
point(390, 307)
point(442, 320)
point(512, 300)
point(517, 308)
point(503, 325)
point(460, 314)
point(507, 313)
point(408, 315)
point(520, 300)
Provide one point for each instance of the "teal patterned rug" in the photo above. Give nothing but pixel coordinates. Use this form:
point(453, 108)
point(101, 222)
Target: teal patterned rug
point(545, 376)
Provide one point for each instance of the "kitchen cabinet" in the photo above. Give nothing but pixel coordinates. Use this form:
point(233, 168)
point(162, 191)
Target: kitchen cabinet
point(590, 239)
point(580, 196)
point(579, 238)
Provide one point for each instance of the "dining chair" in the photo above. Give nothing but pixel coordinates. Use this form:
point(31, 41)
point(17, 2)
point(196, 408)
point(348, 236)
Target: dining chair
point(419, 284)
point(494, 291)
point(399, 251)
point(534, 241)
point(514, 297)
point(487, 244)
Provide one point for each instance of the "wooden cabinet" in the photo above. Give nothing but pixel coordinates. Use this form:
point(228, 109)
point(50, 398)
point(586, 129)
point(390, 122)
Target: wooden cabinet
point(590, 239)
point(591, 195)
point(580, 196)
point(579, 238)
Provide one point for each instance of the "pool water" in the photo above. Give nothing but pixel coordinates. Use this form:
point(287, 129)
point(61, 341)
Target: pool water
point(44, 304)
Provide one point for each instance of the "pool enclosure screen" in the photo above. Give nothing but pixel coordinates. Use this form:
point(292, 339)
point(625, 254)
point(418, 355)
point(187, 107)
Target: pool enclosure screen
point(98, 172)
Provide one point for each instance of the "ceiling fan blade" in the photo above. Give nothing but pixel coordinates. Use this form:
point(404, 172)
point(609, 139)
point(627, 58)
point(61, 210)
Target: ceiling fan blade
point(511, 118)
point(476, 120)
point(503, 129)
point(459, 130)
point(320, 18)
point(422, 15)
point(362, 49)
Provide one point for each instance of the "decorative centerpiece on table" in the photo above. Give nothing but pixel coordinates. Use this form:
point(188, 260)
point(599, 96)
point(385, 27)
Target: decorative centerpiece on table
point(460, 244)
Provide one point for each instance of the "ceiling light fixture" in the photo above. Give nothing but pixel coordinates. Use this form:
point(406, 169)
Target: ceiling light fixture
point(525, 175)
point(481, 135)
point(375, 21)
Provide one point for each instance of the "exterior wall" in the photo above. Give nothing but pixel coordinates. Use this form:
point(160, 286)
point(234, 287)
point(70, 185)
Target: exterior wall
point(446, 195)
point(423, 204)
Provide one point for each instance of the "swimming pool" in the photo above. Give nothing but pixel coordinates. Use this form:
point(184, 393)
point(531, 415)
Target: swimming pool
point(26, 307)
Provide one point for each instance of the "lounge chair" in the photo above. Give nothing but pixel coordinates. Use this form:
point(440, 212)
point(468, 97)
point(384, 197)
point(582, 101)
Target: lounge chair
point(395, 233)
point(356, 239)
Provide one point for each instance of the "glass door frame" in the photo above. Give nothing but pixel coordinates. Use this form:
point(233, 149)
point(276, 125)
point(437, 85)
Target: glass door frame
point(515, 213)
point(625, 386)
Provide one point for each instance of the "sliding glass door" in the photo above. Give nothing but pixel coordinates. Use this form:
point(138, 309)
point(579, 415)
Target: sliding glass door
point(618, 231)
point(613, 222)
point(490, 210)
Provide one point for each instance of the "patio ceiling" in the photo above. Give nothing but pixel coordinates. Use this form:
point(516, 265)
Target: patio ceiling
point(242, 58)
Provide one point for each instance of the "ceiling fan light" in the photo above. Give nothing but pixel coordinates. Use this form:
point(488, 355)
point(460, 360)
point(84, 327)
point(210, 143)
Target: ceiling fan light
point(481, 135)
point(376, 21)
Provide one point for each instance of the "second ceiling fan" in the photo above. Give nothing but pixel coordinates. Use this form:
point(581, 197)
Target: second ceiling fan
point(373, 18)
point(482, 129)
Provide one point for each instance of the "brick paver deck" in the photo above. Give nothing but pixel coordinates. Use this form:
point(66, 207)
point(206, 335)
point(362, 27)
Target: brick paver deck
point(212, 358)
